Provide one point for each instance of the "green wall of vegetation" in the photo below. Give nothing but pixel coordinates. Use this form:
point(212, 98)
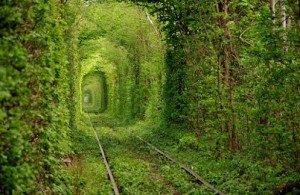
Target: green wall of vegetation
point(34, 82)
point(232, 74)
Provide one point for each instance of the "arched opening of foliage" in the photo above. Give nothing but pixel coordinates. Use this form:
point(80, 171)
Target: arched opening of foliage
point(94, 92)
point(87, 97)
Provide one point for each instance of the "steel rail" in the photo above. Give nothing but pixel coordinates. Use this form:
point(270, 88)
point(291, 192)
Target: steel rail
point(184, 167)
point(111, 177)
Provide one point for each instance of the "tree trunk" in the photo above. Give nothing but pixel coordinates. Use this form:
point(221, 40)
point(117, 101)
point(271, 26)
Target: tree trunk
point(273, 10)
point(283, 14)
point(228, 79)
point(233, 117)
point(284, 24)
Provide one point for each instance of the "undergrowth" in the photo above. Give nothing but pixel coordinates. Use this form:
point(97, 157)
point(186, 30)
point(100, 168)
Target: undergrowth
point(232, 173)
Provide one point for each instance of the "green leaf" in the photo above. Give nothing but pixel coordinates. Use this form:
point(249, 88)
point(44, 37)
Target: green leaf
point(2, 114)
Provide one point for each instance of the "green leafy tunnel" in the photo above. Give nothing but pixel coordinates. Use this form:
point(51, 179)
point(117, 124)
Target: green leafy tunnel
point(216, 83)
point(128, 61)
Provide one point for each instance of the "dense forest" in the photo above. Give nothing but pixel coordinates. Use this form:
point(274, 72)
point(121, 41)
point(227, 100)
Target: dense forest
point(214, 84)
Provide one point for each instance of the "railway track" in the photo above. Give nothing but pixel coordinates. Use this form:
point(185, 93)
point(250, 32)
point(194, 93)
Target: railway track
point(163, 154)
point(111, 177)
